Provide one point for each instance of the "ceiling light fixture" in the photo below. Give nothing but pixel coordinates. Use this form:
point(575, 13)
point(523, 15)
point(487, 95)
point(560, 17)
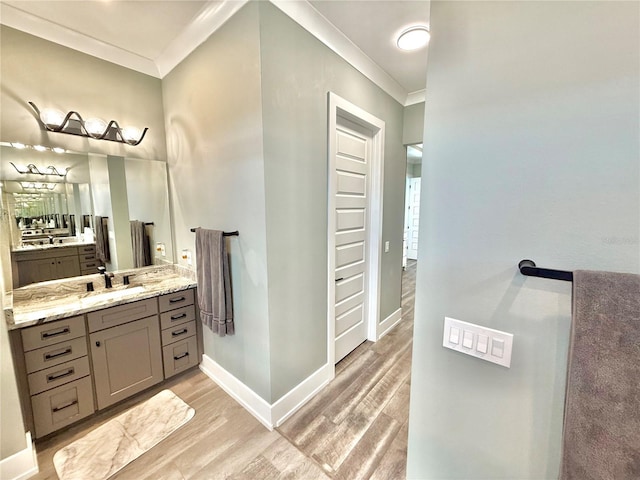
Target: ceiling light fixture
point(413, 38)
point(73, 124)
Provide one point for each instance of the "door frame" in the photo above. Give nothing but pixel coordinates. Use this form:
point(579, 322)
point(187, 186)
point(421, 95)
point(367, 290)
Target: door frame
point(338, 106)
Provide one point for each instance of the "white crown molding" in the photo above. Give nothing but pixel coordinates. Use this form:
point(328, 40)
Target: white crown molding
point(43, 28)
point(311, 20)
point(209, 19)
point(418, 96)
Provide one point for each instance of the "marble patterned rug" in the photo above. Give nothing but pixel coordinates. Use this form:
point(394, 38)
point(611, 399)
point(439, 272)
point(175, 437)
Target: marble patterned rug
point(107, 449)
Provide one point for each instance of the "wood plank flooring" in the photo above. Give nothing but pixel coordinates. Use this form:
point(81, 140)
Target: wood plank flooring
point(355, 429)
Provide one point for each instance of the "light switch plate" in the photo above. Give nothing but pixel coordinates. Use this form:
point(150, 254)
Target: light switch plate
point(492, 342)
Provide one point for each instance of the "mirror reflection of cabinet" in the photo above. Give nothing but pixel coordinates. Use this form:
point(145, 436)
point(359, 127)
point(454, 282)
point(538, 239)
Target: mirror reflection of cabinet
point(31, 266)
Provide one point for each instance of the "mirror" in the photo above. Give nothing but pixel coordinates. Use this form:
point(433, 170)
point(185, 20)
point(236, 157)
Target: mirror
point(63, 198)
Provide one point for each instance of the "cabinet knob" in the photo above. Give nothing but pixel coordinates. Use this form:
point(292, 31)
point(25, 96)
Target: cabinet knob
point(97, 344)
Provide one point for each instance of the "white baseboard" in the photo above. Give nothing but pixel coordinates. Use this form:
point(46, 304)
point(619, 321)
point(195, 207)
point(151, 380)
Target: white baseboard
point(291, 402)
point(270, 415)
point(251, 401)
point(389, 322)
point(20, 465)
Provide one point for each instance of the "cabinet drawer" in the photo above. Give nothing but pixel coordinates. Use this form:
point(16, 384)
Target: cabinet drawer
point(178, 332)
point(110, 317)
point(177, 317)
point(176, 300)
point(55, 354)
point(54, 332)
point(87, 249)
point(179, 356)
point(62, 406)
point(58, 375)
point(90, 265)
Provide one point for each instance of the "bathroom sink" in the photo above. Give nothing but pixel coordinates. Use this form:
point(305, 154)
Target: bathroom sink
point(113, 295)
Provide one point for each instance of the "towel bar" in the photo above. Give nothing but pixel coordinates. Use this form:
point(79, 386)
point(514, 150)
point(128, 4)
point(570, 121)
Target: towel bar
point(226, 234)
point(528, 267)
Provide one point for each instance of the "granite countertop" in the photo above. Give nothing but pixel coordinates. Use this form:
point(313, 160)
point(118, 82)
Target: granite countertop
point(47, 246)
point(57, 299)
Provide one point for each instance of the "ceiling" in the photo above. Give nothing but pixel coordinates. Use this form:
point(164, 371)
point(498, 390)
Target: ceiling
point(153, 36)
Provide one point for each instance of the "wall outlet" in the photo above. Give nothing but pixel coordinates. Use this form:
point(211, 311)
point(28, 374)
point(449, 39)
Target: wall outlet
point(186, 256)
point(386, 246)
point(481, 342)
point(161, 249)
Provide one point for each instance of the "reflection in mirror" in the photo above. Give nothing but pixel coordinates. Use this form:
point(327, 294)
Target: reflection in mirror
point(56, 221)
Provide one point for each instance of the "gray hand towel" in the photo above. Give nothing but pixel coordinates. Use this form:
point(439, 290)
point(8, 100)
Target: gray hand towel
point(102, 239)
point(601, 437)
point(214, 281)
point(140, 244)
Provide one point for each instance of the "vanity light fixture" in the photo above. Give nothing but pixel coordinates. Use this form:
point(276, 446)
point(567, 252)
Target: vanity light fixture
point(413, 38)
point(33, 170)
point(73, 124)
point(37, 186)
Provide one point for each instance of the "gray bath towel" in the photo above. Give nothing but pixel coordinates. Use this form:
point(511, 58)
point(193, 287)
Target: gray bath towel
point(140, 244)
point(102, 239)
point(601, 437)
point(214, 281)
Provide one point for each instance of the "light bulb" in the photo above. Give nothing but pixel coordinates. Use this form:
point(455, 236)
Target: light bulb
point(19, 146)
point(40, 148)
point(131, 134)
point(95, 126)
point(413, 38)
point(58, 150)
point(51, 117)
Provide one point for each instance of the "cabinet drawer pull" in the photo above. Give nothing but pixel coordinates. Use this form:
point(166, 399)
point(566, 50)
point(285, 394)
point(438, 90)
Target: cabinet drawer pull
point(90, 265)
point(178, 317)
point(51, 378)
point(50, 333)
point(49, 356)
point(182, 355)
point(176, 300)
point(88, 257)
point(70, 404)
point(177, 333)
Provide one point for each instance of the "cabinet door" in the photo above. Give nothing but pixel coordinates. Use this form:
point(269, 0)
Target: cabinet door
point(67, 267)
point(126, 359)
point(40, 270)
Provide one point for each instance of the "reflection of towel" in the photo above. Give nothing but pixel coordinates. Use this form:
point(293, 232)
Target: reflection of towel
point(214, 281)
point(602, 410)
point(102, 239)
point(140, 244)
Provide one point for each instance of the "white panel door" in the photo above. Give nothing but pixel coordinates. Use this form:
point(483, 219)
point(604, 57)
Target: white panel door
point(413, 215)
point(351, 218)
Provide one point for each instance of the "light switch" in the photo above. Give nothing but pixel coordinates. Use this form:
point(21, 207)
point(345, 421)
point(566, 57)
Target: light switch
point(483, 343)
point(386, 246)
point(497, 348)
point(467, 339)
point(454, 335)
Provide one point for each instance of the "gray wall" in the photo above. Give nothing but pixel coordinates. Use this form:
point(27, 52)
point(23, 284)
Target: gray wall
point(413, 124)
point(532, 146)
point(216, 174)
point(297, 72)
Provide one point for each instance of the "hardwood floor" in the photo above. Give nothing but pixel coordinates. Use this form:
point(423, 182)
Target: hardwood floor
point(355, 429)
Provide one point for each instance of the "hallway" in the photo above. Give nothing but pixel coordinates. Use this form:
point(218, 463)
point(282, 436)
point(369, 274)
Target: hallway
point(356, 428)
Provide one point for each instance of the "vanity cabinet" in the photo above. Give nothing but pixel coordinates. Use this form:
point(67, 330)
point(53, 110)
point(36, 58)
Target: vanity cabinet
point(73, 367)
point(40, 265)
point(126, 357)
point(89, 262)
point(58, 374)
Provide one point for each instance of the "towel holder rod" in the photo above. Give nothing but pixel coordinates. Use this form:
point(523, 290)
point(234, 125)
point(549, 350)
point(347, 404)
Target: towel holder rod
point(528, 267)
point(225, 234)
